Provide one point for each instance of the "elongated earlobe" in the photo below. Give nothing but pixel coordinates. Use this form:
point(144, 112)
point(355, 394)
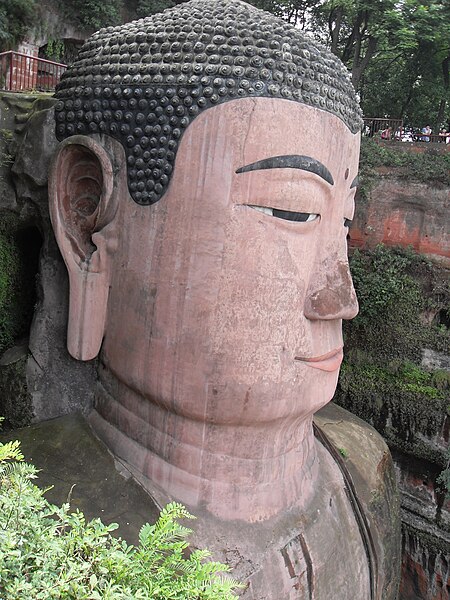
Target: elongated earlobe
point(82, 210)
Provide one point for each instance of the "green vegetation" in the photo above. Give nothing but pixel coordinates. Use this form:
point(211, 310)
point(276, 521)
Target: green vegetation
point(145, 8)
point(425, 167)
point(16, 18)
point(396, 287)
point(93, 14)
point(444, 478)
point(15, 401)
point(382, 380)
point(343, 452)
point(404, 391)
point(55, 50)
point(47, 552)
point(17, 300)
point(9, 282)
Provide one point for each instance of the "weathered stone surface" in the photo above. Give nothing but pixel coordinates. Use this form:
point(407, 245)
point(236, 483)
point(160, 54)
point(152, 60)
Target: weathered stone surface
point(425, 567)
point(404, 213)
point(217, 311)
point(435, 360)
point(57, 384)
point(15, 353)
point(75, 466)
point(230, 433)
point(367, 461)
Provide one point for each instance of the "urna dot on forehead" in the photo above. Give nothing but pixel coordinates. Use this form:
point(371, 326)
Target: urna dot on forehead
point(143, 83)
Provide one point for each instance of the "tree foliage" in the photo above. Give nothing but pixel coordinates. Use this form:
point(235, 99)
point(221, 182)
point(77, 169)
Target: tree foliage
point(94, 14)
point(409, 77)
point(16, 18)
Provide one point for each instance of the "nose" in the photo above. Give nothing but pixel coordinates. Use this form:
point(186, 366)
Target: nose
point(330, 293)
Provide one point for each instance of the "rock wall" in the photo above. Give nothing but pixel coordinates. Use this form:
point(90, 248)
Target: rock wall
point(404, 213)
point(57, 383)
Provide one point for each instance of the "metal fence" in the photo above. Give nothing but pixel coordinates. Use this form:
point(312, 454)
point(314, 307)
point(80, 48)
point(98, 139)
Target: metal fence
point(22, 73)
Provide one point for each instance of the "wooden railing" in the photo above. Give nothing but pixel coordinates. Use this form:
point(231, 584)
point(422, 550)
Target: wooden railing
point(22, 73)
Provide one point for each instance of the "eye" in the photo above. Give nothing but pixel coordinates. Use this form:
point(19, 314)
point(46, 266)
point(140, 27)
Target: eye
point(347, 222)
point(287, 215)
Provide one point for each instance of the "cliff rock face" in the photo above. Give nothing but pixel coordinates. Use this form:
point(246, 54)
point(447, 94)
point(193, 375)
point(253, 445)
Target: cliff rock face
point(57, 383)
point(398, 212)
point(426, 531)
point(404, 213)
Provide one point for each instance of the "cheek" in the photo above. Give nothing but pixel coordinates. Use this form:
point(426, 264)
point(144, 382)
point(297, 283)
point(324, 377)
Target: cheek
point(258, 321)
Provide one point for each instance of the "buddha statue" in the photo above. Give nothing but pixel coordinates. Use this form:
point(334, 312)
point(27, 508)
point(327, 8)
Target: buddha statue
point(201, 196)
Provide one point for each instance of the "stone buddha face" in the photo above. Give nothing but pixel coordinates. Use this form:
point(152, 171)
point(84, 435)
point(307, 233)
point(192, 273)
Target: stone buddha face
point(201, 197)
point(224, 300)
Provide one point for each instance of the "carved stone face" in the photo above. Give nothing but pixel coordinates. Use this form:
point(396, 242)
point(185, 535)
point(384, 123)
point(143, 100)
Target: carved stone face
point(213, 299)
point(222, 303)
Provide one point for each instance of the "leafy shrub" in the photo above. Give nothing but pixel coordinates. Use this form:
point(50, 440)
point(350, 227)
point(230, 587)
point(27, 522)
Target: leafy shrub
point(381, 379)
point(150, 7)
point(443, 479)
point(94, 14)
point(15, 400)
point(423, 167)
point(404, 405)
point(391, 301)
point(46, 552)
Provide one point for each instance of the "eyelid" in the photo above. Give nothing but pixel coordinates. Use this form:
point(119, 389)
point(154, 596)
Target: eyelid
point(287, 215)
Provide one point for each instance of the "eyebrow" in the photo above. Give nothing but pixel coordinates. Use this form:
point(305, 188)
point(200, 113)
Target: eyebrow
point(292, 161)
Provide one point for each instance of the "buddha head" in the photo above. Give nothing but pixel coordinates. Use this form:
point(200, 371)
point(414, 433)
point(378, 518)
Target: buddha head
point(201, 197)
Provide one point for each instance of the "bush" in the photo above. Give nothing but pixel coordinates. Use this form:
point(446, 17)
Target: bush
point(401, 400)
point(16, 17)
point(93, 14)
point(391, 300)
point(46, 552)
point(422, 167)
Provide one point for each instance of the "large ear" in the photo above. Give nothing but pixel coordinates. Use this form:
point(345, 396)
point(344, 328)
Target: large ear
point(83, 206)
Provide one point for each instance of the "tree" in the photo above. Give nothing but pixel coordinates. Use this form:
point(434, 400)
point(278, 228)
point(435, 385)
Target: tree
point(356, 29)
point(409, 76)
point(16, 17)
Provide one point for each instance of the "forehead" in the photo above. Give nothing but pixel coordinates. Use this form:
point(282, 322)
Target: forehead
point(243, 131)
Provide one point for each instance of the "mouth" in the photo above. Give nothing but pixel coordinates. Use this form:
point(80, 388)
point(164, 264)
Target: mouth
point(331, 361)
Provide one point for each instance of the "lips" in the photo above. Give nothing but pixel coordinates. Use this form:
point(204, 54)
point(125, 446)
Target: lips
point(331, 361)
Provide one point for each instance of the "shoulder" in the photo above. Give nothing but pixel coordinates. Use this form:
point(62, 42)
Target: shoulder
point(364, 459)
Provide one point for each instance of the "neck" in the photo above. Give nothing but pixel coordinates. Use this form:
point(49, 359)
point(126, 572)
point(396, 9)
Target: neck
point(243, 472)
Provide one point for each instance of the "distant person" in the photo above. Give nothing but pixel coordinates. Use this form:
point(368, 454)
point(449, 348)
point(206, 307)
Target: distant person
point(427, 131)
point(386, 134)
point(444, 136)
